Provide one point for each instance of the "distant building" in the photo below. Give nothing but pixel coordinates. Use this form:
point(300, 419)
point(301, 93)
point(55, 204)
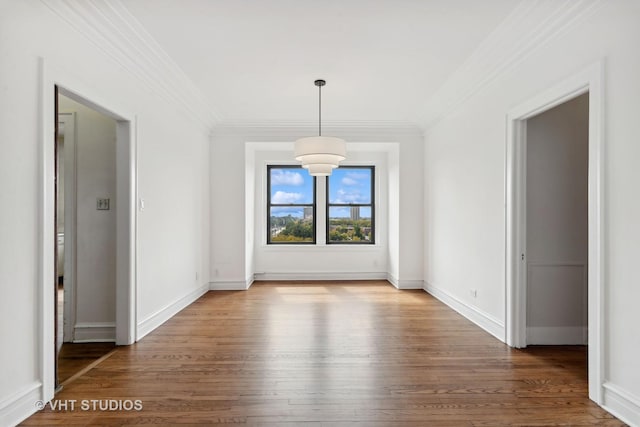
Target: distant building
point(355, 213)
point(308, 213)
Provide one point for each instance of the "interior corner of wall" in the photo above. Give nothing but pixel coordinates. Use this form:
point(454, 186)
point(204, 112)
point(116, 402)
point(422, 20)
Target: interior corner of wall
point(393, 280)
point(250, 280)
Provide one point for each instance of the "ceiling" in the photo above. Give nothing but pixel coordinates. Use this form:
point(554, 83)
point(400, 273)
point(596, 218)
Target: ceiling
point(255, 61)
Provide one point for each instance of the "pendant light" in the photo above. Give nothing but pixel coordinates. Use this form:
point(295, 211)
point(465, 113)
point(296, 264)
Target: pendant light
point(320, 154)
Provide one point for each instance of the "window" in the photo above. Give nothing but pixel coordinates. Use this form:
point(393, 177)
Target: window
point(291, 205)
point(350, 205)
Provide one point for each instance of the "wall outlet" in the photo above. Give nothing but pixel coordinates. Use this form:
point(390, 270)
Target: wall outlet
point(474, 293)
point(196, 275)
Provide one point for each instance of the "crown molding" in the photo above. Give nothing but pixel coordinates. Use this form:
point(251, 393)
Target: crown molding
point(291, 130)
point(117, 33)
point(310, 127)
point(530, 26)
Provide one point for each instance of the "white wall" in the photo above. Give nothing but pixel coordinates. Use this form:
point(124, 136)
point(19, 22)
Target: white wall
point(234, 260)
point(557, 223)
point(95, 286)
point(173, 178)
point(229, 262)
point(465, 180)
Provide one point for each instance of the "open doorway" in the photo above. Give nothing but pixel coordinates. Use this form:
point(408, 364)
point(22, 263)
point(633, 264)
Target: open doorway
point(545, 296)
point(556, 255)
point(55, 81)
point(86, 236)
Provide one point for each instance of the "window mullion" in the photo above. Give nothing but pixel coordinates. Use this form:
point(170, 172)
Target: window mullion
point(321, 211)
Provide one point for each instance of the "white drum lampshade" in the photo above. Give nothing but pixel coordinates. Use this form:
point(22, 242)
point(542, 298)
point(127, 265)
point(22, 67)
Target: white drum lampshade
point(320, 154)
point(319, 169)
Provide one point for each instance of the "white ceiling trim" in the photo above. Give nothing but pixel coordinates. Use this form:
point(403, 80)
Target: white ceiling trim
point(530, 26)
point(347, 131)
point(382, 147)
point(112, 28)
point(327, 125)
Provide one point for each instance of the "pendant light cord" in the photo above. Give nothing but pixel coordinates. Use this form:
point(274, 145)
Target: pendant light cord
point(319, 110)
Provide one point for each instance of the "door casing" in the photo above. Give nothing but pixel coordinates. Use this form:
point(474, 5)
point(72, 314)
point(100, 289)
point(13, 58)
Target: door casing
point(54, 75)
point(590, 80)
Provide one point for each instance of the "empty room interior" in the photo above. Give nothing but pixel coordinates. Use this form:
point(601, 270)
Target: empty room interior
point(283, 213)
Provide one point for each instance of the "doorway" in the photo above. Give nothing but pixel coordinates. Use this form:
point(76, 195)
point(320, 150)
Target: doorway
point(57, 80)
point(588, 83)
point(86, 236)
point(556, 200)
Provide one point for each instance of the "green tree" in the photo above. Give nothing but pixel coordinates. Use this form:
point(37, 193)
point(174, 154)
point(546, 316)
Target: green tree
point(357, 231)
point(335, 236)
point(299, 229)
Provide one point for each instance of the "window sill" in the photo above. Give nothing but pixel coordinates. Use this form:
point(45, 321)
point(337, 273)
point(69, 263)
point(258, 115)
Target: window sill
point(333, 247)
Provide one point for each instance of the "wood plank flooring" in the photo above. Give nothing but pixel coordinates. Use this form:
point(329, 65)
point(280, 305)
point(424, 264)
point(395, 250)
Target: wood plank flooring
point(331, 354)
point(73, 358)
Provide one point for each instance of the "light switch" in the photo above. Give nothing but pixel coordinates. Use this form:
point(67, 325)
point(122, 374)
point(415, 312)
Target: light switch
point(103, 204)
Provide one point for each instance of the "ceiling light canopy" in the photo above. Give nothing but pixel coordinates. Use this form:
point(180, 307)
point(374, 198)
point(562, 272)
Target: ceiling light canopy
point(320, 154)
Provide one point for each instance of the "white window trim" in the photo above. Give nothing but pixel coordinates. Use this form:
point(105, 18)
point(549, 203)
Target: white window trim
point(321, 213)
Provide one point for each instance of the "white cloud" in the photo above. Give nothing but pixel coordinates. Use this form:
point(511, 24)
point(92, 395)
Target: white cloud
point(352, 196)
point(355, 178)
point(286, 211)
point(349, 181)
point(358, 175)
point(282, 197)
point(284, 177)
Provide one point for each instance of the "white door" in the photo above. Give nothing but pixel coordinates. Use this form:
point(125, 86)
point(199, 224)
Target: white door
point(67, 220)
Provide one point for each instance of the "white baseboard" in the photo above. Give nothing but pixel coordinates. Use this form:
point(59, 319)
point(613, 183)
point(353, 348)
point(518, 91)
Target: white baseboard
point(622, 404)
point(563, 335)
point(393, 280)
point(410, 284)
point(404, 284)
point(20, 405)
point(305, 275)
point(237, 285)
point(167, 312)
point(480, 318)
point(94, 332)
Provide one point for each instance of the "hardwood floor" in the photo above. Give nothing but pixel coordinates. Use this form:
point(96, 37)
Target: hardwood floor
point(338, 354)
point(74, 358)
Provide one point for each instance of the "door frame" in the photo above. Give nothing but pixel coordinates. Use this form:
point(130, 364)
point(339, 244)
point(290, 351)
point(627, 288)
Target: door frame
point(53, 75)
point(589, 80)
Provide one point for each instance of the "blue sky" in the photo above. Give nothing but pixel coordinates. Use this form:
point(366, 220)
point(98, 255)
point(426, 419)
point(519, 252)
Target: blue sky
point(295, 186)
point(350, 186)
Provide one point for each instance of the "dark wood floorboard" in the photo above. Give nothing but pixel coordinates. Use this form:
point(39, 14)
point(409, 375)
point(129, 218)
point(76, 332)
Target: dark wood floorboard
point(331, 354)
point(74, 357)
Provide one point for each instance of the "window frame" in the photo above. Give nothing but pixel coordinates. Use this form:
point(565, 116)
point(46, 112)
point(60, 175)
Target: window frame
point(303, 205)
point(371, 205)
